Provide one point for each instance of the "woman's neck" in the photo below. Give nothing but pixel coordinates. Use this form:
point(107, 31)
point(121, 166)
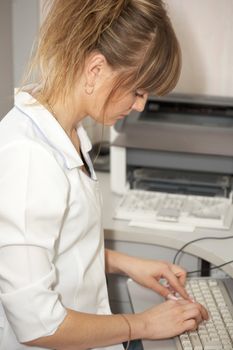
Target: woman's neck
point(68, 113)
point(66, 116)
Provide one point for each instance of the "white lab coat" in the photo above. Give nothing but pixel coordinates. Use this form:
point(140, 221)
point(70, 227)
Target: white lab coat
point(51, 239)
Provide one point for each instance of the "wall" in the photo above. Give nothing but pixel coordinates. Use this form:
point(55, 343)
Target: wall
point(205, 31)
point(19, 21)
point(25, 26)
point(6, 62)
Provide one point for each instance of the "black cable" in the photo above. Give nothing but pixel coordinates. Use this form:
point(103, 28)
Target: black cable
point(211, 268)
point(196, 240)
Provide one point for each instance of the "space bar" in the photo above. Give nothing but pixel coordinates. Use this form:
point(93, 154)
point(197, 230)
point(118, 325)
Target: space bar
point(161, 225)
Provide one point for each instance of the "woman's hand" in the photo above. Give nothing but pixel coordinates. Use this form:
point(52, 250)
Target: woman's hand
point(172, 318)
point(149, 272)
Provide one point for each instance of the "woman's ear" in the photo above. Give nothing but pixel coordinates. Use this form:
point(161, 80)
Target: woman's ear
point(94, 70)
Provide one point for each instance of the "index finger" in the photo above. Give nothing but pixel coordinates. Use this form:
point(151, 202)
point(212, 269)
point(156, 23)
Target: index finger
point(180, 273)
point(181, 277)
point(176, 284)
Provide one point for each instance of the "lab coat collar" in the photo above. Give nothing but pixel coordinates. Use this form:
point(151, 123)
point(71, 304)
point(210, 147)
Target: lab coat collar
point(52, 130)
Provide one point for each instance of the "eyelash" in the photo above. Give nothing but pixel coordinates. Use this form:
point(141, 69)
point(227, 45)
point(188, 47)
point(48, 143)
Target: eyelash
point(139, 95)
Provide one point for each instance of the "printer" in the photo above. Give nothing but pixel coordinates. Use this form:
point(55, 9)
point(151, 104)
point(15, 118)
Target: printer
point(180, 143)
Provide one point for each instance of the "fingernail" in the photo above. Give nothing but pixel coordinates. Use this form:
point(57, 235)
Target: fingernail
point(172, 297)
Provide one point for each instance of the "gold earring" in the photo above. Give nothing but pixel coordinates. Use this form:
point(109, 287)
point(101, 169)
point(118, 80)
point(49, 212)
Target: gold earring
point(89, 89)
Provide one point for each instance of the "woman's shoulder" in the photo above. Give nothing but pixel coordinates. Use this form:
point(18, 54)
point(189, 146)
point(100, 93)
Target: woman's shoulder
point(16, 133)
point(19, 135)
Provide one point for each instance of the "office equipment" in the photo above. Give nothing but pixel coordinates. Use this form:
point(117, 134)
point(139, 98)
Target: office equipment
point(181, 145)
point(157, 244)
point(214, 334)
point(183, 212)
point(185, 139)
point(119, 233)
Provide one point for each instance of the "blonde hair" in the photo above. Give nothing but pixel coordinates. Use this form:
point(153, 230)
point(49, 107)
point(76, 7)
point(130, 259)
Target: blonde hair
point(135, 36)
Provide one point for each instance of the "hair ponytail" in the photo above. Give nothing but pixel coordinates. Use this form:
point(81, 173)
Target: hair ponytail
point(133, 35)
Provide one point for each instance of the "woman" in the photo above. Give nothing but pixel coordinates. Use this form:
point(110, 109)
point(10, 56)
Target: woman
point(94, 58)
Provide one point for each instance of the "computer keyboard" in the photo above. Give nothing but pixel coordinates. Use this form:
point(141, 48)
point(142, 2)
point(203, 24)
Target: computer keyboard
point(217, 332)
point(162, 210)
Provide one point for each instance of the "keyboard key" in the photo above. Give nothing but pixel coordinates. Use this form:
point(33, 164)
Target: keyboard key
point(217, 332)
point(196, 343)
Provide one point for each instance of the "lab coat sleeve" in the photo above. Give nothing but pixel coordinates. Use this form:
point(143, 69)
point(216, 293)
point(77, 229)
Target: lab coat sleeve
point(34, 194)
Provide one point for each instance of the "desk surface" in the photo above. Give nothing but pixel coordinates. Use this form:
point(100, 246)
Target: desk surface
point(216, 252)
